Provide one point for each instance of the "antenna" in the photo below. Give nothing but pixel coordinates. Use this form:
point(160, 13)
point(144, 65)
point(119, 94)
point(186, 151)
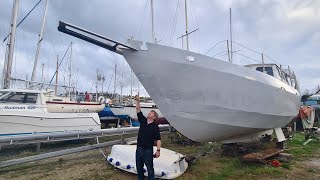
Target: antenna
point(186, 16)
point(231, 41)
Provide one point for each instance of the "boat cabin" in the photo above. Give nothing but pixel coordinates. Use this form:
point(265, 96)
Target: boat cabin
point(285, 75)
point(22, 96)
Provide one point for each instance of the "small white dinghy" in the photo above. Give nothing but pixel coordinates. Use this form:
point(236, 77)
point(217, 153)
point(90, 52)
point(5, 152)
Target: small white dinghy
point(169, 165)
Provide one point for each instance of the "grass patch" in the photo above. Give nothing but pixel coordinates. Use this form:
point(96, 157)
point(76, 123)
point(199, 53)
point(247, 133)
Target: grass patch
point(300, 151)
point(235, 168)
point(211, 166)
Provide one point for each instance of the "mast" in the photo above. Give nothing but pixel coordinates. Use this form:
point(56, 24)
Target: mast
point(26, 81)
point(34, 71)
point(186, 16)
point(76, 85)
point(231, 42)
point(97, 85)
point(70, 66)
point(263, 67)
point(9, 53)
point(152, 23)
point(115, 79)
point(57, 73)
point(42, 69)
point(131, 90)
point(228, 51)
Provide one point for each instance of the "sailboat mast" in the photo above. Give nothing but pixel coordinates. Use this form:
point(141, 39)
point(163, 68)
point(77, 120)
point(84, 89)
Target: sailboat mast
point(42, 70)
point(70, 66)
point(231, 41)
point(131, 90)
point(97, 79)
point(152, 23)
point(57, 73)
point(9, 57)
point(34, 71)
point(115, 80)
point(186, 16)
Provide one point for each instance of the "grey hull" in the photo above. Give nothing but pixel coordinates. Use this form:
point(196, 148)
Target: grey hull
point(209, 99)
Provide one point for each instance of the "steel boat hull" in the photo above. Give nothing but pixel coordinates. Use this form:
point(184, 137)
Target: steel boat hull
point(207, 99)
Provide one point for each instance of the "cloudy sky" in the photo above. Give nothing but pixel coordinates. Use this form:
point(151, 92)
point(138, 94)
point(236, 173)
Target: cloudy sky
point(287, 31)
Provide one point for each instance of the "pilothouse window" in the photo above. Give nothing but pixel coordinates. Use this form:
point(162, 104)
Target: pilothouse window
point(269, 70)
point(21, 98)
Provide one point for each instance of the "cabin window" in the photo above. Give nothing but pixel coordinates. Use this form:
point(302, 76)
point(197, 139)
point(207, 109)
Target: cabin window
point(21, 98)
point(269, 70)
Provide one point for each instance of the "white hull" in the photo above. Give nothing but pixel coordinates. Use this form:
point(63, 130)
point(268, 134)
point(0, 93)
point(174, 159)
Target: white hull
point(131, 111)
point(169, 165)
point(69, 107)
point(210, 99)
point(20, 122)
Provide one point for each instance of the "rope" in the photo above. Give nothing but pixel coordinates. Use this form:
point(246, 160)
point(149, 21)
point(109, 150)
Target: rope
point(23, 19)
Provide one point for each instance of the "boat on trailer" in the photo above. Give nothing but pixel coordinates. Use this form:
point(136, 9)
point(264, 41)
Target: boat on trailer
point(26, 112)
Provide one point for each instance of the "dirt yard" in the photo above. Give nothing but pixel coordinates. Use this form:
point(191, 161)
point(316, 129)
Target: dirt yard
point(91, 164)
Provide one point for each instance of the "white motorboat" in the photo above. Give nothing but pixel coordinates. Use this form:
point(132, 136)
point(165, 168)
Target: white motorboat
point(26, 112)
point(205, 98)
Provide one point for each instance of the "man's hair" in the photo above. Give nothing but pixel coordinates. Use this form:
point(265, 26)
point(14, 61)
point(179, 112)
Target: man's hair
point(155, 114)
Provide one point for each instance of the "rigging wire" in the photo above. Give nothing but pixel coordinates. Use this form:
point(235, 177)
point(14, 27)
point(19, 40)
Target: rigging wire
point(215, 46)
point(194, 17)
point(55, 73)
point(246, 47)
point(248, 57)
point(23, 19)
point(144, 17)
point(175, 18)
point(141, 20)
point(220, 53)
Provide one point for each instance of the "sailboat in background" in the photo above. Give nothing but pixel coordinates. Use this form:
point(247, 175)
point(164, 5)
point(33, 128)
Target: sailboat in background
point(204, 98)
point(25, 111)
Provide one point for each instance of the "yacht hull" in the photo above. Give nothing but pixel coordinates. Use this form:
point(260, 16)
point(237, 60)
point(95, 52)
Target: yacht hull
point(74, 107)
point(19, 122)
point(207, 99)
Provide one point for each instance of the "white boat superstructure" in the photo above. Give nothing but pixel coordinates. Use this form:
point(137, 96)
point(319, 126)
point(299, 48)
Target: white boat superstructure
point(57, 104)
point(25, 112)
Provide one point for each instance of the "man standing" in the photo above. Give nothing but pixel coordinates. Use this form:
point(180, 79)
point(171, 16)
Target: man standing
point(149, 133)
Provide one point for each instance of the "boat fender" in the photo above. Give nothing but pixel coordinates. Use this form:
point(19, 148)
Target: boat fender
point(101, 99)
point(118, 163)
point(110, 159)
point(124, 165)
point(159, 173)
